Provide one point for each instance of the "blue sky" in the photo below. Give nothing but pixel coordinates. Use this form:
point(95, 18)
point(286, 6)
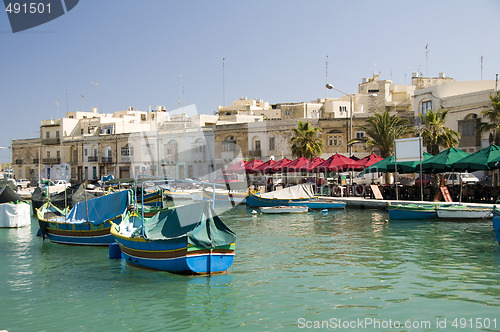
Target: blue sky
point(274, 50)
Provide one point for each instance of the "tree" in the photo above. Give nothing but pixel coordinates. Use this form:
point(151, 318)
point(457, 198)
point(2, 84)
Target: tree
point(380, 131)
point(305, 141)
point(436, 134)
point(493, 116)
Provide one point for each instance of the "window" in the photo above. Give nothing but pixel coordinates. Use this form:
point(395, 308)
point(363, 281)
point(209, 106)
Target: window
point(342, 109)
point(360, 134)
point(271, 143)
point(126, 151)
point(85, 152)
point(287, 113)
point(57, 134)
point(467, 127)
point(334, 140)
point(426, 105)
point(257, 145)
point(48, 154)
point(143, 117)
point(229, 144)
point(108, 130)
point(47, 134)
point(81, 131)
point(58, 154)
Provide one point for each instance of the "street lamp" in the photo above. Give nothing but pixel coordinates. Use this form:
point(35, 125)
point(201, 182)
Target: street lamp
point(331, 87)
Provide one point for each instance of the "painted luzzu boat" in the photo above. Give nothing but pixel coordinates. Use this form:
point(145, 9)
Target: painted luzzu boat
point(496, 223)
point(460, 211)
point(88, 222)
point(189, 239)
point(411, 211)
point(299, 195)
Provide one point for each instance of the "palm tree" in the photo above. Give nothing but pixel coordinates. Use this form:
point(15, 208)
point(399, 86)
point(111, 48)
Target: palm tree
point(493, 115)
point(436, 134)
point(380, 131)
point(305, 142)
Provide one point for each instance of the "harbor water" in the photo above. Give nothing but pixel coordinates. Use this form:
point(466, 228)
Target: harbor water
point(347, 269)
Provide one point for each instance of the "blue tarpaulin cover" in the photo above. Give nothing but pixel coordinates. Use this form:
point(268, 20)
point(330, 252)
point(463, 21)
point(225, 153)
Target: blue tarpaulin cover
point(100, 209)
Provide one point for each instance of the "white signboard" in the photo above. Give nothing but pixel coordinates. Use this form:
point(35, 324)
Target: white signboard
point(408, 149)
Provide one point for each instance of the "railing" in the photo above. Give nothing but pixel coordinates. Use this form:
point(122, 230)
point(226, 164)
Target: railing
point(107, 160)
point(36, 161)
point(49, 141)
point(92, 159)
point(255, 153)
point(51, 160)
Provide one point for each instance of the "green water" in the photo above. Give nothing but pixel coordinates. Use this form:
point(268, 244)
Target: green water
point(290, 272)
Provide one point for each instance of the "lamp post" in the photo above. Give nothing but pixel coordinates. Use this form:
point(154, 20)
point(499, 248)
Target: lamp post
point(331, 87)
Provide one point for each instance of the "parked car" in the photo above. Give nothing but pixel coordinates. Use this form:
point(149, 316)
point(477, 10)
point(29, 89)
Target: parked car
point(22, 183)
point(455, 178)
point(368, 178)
point(487, 181)
point(426, 180)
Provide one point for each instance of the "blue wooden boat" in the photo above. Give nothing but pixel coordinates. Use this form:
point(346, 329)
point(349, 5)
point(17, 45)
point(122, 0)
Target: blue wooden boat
point(300, 195)
point(154, 199)
point(189, 239)
point(496, 223)
point(412, 211)
point(88, 222)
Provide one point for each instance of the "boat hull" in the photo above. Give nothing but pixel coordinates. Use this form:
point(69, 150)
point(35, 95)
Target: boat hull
point(463, 213)
point(284, 209)
point(14, 215)
point(496, 224)
point(315, 203)
point(396, 213)
point(175, 255)
point(85, 234)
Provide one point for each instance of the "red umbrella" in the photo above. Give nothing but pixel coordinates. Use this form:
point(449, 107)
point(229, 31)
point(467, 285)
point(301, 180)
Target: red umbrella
point(295, 165)
point(370, 160)
point(311, 164)
point(249, 166)
point(338, 163)
point(239, 167)
point(263, 168)
point(276, 167)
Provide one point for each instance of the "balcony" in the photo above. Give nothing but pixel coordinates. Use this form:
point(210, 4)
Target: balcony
point(51, 141)
point(51, 160)
point(92, 159)
point(255, 153)
point(36, 161)
point(74, 161)
point(18, 161)
point(107, 160)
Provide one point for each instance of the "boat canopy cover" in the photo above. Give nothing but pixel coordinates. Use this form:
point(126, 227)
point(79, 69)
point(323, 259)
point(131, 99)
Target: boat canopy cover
point(7, 195)
point(304, 190)
point(197, 221)
point(100, 209)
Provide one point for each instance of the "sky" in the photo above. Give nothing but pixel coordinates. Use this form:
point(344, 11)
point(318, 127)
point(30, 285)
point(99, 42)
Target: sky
point(273, 50)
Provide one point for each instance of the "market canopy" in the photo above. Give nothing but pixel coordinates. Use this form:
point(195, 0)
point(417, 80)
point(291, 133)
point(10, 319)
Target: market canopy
point(239, 167)
point(311, 164)
point(380, 166)
point(263, 168)
point(338, 163)
point(250, 165)
point(443, 161)
point(479, 160)
point(408, 166)
point(276, 167)
point(370, 160)
point(295, 165)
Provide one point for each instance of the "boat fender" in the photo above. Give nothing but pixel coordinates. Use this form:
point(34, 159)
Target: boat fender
point(114, 251)
point(324, 210)
point(254, 213)
point(360, 190)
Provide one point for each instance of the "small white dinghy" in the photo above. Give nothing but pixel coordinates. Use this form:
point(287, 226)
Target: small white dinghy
point(284, 209)
point(463, 212)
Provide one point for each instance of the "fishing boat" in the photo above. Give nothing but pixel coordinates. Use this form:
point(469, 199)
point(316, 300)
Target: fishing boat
point(154, 199)
point(224, 196)
point(88, 222)
point(411, 211)
point(66, 198)
point(189, 239)
point(460, 211)
point(299, 195)
point(284, 209)
point(496, 223)
point(14, 211)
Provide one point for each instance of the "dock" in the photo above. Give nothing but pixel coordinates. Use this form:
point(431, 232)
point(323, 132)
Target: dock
point(381, 204)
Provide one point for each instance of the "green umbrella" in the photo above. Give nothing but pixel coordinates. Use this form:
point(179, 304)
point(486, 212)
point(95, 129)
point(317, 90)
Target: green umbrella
point(479, 160)
point(443, 161)
point(408, 166)
point(380, 166)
